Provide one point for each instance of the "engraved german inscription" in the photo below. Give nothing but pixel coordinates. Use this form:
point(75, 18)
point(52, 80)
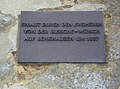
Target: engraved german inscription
point(61, 36)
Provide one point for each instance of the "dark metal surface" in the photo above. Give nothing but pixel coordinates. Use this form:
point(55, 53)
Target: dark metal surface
point(32, 50)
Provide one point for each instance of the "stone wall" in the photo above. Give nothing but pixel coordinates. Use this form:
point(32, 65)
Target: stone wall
point(59, 75)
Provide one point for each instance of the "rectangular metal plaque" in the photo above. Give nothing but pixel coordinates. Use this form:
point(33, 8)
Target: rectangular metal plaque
point(61, 36)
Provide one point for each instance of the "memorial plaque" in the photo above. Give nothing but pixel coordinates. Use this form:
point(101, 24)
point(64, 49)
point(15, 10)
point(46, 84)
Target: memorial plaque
point(61, 36)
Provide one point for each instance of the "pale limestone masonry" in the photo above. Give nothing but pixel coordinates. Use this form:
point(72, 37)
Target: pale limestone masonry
point(59, 75)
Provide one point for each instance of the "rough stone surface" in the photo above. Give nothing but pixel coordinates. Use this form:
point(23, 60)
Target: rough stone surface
point(6, 21)
point(16, 6)
point(92, 1)
point(114, 8)
point(119, 87)
point(15, 86)
point(13, 34)
point(59, 75)
point(67, 2)
point(92, 7)
point(5, 65)
point(5, 44)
